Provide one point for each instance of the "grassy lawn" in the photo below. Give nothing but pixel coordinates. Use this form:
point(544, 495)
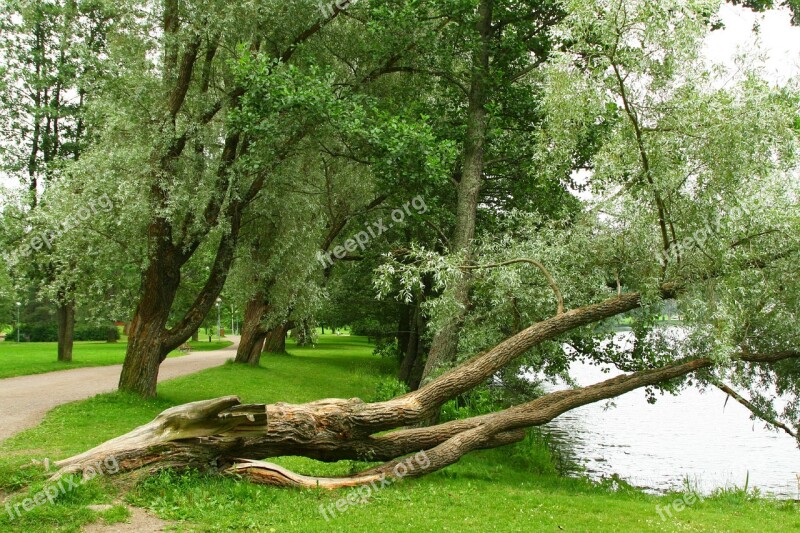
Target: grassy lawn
point(38, 357)
point(510, 489)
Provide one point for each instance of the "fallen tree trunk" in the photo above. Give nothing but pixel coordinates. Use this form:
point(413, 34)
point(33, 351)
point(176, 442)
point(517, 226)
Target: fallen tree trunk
point(231, 438)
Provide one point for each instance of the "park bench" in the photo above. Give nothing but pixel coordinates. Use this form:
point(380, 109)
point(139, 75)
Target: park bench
point(185, 348)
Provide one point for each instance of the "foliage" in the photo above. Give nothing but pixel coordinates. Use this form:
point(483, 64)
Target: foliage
point(388, 388)
point(49, 333)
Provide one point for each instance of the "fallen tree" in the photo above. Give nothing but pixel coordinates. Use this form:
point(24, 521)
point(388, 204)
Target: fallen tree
point(228, 437)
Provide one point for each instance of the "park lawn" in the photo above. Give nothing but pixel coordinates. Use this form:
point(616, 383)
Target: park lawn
point(510, 489)
point(28, 358)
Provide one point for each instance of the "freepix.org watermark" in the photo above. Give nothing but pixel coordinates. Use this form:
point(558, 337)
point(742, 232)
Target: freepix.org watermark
point(48, 237)
point(328, 8)
point(680, 504)
point(699, 237)
point(372, 231)
point(66, 484)
point(361, 495)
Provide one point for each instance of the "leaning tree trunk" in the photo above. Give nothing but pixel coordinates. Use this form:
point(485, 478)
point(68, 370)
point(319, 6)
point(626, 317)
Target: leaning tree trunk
point(149, 339)
point(65, 317)
point(147, 348)
point(253, 333)
point(224, 436)
point(445, 342)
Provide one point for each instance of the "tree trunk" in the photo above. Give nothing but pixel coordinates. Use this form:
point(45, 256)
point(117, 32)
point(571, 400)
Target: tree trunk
point(149, 340)
point(146, 337)
point(276, 339)
point(412, 351)
point(65, 316)
point(445, 341)
point(196, 336)
point(225, 436)
point(404, 326)
point(253, 333)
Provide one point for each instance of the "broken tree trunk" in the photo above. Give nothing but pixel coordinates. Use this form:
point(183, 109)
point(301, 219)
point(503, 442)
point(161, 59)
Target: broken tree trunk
point(228, 437)
point(224, 436)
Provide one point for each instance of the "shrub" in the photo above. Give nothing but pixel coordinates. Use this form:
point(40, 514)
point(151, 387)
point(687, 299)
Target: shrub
point(97, 333)
point(49, 333)
point(388, 388)
point(388, 349)
point(373, 329)
point(35, 333)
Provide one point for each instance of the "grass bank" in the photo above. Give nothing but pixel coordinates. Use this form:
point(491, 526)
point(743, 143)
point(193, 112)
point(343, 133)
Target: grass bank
point(26, 358)
point(511, 489)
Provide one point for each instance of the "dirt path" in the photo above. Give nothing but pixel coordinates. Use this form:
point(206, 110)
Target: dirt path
point(25, 400)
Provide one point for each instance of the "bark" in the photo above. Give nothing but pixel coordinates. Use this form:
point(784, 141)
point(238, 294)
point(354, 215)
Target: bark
point(65, 317)
point(275, 341)
point(253, 333)
point(146, 335)
point(412, 350)
point(445, 341)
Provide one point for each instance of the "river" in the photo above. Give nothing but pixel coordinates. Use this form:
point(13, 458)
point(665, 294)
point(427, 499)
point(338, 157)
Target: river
point(695, 436)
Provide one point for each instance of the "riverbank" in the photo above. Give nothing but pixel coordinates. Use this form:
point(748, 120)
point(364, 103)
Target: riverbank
point(511, 489)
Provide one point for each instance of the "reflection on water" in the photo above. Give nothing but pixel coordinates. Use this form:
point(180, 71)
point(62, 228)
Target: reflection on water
point(695, 436)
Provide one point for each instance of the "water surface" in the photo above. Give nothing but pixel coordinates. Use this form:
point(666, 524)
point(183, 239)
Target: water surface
point(694, 436)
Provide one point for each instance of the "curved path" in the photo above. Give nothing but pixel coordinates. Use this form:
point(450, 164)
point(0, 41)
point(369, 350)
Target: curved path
point(25, 400)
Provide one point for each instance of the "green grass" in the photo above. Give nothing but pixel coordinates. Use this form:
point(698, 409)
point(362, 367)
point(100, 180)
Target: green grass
point(28, 358)
point(510, 489)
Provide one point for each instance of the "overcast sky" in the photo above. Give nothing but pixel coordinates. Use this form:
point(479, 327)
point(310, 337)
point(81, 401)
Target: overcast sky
point(777, 40)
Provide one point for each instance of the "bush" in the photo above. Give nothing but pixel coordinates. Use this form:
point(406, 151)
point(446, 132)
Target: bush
point(373, 329)
point(97, 333)
point(35, 333)
point(537, 453)
point(49, 333)
point(476, 402)
point(388, 388)
point(388, 349)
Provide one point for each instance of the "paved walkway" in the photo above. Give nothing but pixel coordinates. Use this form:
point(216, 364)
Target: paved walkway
point(25, 400)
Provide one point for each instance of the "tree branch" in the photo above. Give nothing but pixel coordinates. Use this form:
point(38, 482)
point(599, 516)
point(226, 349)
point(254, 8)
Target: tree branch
point(753, 409)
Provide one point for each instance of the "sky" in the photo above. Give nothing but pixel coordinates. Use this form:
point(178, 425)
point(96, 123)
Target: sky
point(777, 40)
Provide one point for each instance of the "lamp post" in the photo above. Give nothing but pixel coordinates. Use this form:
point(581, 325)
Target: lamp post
point(219, 323)
point(233, 325)
point(18, 306)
